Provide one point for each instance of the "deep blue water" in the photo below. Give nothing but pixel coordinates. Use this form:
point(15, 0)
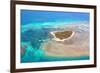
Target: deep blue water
point(30, 16)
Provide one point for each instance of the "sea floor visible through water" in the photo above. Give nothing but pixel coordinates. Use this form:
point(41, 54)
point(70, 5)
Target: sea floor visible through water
point(34, 49)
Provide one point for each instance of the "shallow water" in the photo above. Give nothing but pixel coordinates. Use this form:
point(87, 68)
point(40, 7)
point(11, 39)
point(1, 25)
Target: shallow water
point(34, 35)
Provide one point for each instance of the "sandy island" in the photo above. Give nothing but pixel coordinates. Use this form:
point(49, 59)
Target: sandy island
point(62, 35)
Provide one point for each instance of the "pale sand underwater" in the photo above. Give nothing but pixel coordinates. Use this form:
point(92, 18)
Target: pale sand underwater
point(77, 46)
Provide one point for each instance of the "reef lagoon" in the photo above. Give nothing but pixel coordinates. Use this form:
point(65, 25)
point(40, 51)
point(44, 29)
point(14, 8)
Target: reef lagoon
point(34, 38)
point(38, 45)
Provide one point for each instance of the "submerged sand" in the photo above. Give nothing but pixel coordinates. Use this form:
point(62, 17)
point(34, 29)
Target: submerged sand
point(77, 46)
